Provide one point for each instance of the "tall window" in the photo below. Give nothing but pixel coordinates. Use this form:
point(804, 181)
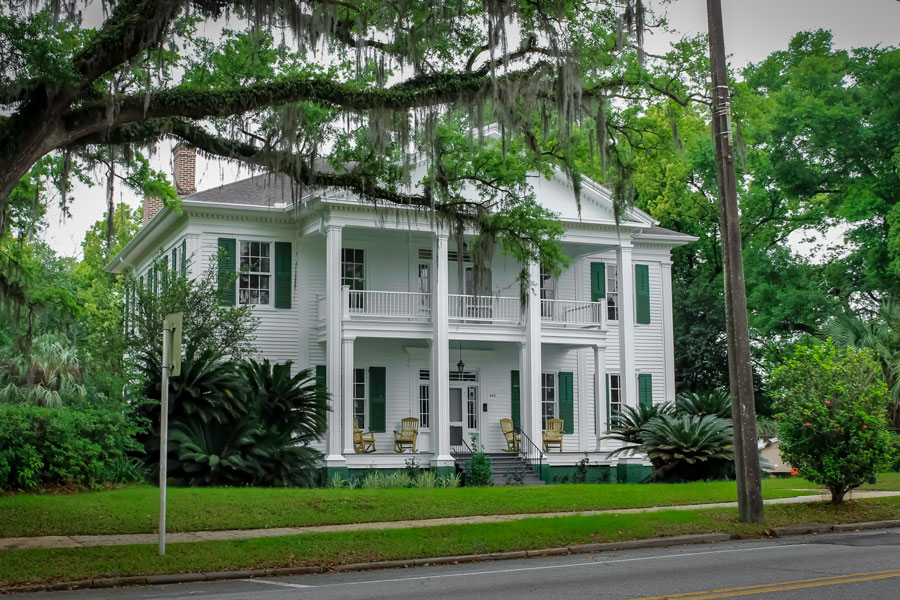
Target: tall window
point(359, 397)
point(615, 395)
point(256, 270)
point(612, 292)
point(548, 291)
point(353, 270)
point(472, 405)
point(424, 398)
point(548, 397)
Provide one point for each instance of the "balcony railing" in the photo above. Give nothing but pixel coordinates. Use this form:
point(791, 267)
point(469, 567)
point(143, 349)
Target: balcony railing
point(388, 305)
point(573, 312)
point(494, 309)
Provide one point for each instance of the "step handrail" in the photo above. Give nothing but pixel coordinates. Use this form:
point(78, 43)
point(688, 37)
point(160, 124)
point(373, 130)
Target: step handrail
point(530, 453)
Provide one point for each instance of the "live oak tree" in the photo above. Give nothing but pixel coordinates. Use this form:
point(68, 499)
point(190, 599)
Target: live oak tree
point(291, 85)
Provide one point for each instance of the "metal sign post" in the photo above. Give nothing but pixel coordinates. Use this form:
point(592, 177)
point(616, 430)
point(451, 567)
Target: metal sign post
point(171, 366)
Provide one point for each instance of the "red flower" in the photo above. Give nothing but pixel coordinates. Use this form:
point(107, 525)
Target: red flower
point(865, 426)
point(828, 402)
point(837, 429)
point(808, 424)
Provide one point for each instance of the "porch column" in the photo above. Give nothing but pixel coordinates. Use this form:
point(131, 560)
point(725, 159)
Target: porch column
point(626, 324)
point(668, 334)
point(347, 394)
point(600, 393)
point(531, 399)
point(440, 353)
point(333, 452)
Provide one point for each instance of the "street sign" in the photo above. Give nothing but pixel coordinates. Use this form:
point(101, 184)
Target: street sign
point(173, 323)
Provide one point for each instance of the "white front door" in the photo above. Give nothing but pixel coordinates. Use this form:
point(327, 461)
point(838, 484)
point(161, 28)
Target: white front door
point(464, 408)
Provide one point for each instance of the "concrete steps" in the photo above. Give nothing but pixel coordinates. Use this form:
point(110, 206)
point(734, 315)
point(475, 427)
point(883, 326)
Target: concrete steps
point(511, 469)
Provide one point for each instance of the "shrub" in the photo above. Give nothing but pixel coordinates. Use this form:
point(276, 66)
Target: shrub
point(628, 424)
point(688, 448)
point(581, 470)
point(41, 446)
point(831, 406)
point(452, 480)
point(425, 479)
point(478, 467)
point(716, 403)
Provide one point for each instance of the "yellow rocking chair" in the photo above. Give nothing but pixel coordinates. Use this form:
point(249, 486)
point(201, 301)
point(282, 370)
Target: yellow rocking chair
point(509, 433)
point(406, 437)
point(553, 435)
point(363, 441)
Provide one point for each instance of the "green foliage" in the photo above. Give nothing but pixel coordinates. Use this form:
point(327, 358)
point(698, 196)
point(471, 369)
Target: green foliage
point(830, 405)
point(716, 403)
point(688, 448)
point(478, 469)
point(64, 446)
point(627, 425)
point(581, 470)
point(49, 375)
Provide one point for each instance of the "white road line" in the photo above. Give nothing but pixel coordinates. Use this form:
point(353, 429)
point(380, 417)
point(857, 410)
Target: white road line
point(281, 583)
point(568, 566)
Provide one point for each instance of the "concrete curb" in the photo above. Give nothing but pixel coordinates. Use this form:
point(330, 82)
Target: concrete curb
point(663, 542)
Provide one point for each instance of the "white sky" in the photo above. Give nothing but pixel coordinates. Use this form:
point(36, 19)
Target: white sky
point(753, 29)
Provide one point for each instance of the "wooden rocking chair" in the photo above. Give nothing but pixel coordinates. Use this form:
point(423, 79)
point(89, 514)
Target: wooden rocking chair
point(406, 437)
point(553, 435)
point(363, 441)
point(509, 433)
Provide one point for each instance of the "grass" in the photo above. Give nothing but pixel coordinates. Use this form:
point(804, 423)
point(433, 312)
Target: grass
point(330, 549)
point(134, 509)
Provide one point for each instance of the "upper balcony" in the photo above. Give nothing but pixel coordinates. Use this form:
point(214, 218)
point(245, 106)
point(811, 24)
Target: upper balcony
point(383, 307)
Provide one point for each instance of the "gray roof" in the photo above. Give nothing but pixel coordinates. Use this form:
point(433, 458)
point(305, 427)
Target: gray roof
point(654, 230)
point(266, 189)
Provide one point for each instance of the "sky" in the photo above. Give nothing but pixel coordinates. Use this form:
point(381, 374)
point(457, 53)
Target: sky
point(753, 29)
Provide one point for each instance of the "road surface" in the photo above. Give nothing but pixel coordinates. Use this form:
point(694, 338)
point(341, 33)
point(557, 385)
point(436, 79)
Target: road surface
point(826, 567)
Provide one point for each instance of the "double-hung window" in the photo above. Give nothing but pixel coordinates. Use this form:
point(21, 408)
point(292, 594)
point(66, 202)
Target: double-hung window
point(548, 397)
point(424, 398)
point(612, 292)
point(359, 397)
point(255, 279)
point(548, 292)
point(353, 268)
point(615, 395)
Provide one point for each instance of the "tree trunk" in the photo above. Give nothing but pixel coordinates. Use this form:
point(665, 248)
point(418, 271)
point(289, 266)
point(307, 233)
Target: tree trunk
point(837, 495)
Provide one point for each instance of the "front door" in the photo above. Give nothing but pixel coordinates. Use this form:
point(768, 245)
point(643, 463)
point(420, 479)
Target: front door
point(463, 412)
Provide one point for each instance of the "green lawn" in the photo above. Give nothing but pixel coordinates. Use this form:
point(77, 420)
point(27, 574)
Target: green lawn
point(329, 549)
point(134, 509)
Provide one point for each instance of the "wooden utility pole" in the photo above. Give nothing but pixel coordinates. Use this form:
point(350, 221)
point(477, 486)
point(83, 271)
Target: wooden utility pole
point(740, 372)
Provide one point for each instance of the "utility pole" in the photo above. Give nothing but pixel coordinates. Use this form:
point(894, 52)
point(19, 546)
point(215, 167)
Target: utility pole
point(740, 372)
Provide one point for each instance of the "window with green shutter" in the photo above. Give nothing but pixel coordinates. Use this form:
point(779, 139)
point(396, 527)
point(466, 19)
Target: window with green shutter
point(183, 258)
point(645, 390)
point(282, 274)
point(377, 399)
point(642, 293)
point(164, 274)
point(227, 268)
point(516, 403)
point(567, 401)
point(598, 281)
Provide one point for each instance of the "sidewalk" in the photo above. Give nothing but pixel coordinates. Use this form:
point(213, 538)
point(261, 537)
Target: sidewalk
point(83, 541)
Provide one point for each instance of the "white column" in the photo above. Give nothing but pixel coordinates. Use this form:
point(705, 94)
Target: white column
point(347, 394)
point(531, 400)
point(600, 392)
point(440, 354)
point(626, 324)
point(333, 454)
point(668, 333)
point(581, 398)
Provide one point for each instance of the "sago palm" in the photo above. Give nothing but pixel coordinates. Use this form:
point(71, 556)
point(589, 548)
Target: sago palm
point(688, 447)
point(716, 403)
point(626, 426)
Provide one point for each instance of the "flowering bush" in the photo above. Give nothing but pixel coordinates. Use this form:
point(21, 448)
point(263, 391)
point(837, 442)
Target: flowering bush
point(831, 407)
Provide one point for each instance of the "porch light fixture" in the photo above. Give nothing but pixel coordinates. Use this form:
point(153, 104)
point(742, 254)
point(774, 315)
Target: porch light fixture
point(460, 366)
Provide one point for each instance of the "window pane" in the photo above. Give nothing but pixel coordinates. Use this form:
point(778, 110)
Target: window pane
point(264, 250)
point(245, 248)
point(263, 297)
point(264, 265)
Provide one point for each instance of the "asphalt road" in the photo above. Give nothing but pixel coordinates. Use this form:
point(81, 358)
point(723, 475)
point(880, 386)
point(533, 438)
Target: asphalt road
point(827, 567)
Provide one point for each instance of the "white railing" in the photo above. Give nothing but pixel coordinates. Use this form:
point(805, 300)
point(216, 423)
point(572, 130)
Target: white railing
point(496, 309)
point(390, 305)
point(573, 312)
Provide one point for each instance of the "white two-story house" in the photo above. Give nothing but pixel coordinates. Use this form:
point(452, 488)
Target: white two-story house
point(372, 299)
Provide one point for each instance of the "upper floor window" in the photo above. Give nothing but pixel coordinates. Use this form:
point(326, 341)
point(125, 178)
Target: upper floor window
point(548, 285)
point(612, 292)
point(548, 398)
point(353, 268)
point(254, 282)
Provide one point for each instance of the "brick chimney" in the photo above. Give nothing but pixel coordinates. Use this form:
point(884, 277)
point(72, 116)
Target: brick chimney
point(152, 205)
point(185, 158)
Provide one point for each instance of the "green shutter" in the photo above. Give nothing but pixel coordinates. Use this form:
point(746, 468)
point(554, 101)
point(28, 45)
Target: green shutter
point(598, 281)
point(183, 258)
point(642, 293)
point(567, 401)
point(608, 415)
point(645, 390)
point(153, 278)
point(164, 274)
point(282, 274)
point(516, 399)
point(321, 380)
point(227, 267)
point(377, 399)
point(174, 259)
